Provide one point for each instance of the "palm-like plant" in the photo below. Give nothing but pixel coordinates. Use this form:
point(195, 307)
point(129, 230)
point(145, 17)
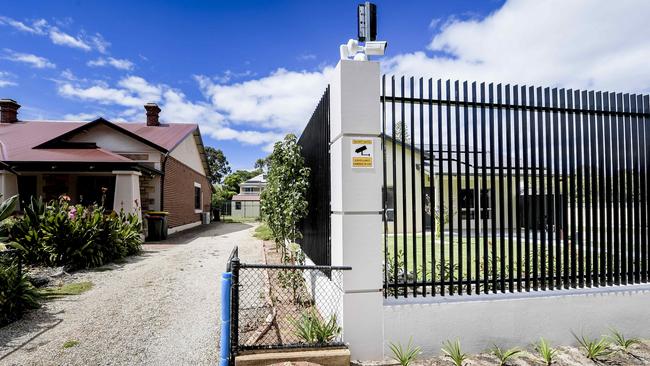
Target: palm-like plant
point(623, 343)
point(594, 349)
point(546, 352)
point(312, 329)
point(504, 355)
point(404, 355)
point(454, 352)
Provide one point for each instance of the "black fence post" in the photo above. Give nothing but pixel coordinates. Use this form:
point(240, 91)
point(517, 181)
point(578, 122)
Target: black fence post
point(234, 308)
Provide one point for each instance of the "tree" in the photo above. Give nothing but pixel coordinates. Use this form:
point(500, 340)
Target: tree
point(284, 200)
point(261, 163)
point(218, 164)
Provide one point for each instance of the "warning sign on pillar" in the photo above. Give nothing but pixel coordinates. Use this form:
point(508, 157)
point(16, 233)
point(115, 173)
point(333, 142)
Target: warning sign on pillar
point(362, 153)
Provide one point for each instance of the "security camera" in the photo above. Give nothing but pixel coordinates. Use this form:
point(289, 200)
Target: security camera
point(375, 48)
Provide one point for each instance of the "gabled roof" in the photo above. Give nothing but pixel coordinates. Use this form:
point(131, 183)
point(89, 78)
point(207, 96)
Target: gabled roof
point(258, 179)
point(31, 141)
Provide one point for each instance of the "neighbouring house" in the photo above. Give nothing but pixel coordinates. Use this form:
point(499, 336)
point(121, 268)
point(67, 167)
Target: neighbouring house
point(124, 166)
point(471, 201)
point(247, 202)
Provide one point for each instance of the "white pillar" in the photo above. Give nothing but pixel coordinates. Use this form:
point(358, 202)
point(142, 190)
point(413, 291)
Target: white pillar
point(8, 185)
point(356, 204)
point(127, 191)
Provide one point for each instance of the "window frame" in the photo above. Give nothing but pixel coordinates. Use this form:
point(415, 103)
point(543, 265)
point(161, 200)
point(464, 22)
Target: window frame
point(198, 199)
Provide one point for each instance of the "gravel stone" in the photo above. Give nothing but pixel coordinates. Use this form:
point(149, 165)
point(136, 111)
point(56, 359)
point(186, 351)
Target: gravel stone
point(157, 308)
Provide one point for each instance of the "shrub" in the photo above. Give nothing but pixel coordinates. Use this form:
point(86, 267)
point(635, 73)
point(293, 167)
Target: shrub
point(74, 236)
point(16, 293)
point(405, 356)
point(623, 343)
point(546, 352)
point(453, 351)
point(594, 348)
point(312, 329)
point(504, 355)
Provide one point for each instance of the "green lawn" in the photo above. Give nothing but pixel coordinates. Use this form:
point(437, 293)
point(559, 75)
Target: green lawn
point(458, 257)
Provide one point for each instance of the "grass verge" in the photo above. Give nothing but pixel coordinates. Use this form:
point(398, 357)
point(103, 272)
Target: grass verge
point(68, 289)
point(263, 232)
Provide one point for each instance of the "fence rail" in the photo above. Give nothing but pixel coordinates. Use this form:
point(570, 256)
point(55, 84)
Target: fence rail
point(315, 149)
point(500, 188)
point(275, 306)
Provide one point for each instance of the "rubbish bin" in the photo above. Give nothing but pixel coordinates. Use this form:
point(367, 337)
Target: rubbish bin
point(156, 225)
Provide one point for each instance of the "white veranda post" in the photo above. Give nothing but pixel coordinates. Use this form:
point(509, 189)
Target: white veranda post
point(127, 191)
point(356, 180)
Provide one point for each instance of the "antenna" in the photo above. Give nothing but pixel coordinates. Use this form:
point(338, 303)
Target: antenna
point(366, 33)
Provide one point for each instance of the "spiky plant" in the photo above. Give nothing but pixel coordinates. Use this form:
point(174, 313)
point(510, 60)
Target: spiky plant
point(504, 355)
point(594, 349)
point(454, 352)
point(623, 343)
point(546, 352)
point(404, 355)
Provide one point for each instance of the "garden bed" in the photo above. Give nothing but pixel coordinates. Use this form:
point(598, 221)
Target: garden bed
point(278, 307)
point(638, 354)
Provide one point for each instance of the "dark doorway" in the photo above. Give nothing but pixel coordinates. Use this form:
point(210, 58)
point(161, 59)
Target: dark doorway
point(96, 190)
point(26, 189)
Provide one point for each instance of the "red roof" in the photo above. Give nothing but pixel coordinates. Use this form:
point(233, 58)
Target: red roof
point(19, 142)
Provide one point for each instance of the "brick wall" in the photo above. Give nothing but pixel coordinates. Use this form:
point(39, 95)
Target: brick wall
point(178, 188)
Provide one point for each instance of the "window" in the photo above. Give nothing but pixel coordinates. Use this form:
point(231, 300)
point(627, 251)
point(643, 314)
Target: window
point(237, 205)
point(197, 197)
point(486, 203)
point(466, 198)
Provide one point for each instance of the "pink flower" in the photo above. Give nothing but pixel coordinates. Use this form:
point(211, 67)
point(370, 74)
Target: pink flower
point(72, 213)
point(65, 197)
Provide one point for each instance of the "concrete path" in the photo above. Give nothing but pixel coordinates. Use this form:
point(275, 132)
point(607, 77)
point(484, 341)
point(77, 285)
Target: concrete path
point(158, 308)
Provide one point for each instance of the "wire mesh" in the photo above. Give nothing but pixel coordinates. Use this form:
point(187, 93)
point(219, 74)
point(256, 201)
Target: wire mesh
point(289, 306)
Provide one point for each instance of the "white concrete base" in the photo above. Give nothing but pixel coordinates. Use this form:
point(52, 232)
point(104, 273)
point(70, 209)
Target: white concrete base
point(510, 320)
point(180, 228)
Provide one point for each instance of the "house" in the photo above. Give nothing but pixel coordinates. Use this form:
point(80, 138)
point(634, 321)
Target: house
point(123, 166)
point(247, 202)
point(470, 201)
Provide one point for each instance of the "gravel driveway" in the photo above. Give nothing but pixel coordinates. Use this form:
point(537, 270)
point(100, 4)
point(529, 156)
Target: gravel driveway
point(158, 308)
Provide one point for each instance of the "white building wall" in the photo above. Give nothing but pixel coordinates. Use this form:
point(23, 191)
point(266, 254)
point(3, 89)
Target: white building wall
point(188, 153)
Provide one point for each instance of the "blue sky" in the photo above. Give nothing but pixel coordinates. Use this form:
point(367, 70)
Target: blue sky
point(172, 42)
point(248, 72)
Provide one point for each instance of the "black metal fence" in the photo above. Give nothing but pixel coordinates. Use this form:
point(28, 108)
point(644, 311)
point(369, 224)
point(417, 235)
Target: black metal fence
point(500, 188)
point(285, 306)
point(316, 226)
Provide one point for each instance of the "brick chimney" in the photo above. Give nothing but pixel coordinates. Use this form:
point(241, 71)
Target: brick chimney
point(8, 111)
point(152, 114)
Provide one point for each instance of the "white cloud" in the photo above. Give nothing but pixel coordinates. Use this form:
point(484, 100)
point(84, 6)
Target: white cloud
point(81, 116)
point(35, 28)
point(42, 28)
point(5, 79)
point(121, 64)
point(578, 44)
point(283, 101)
point(100, 43)
point(306, 57)
point(33, 60)
point(63, 39)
